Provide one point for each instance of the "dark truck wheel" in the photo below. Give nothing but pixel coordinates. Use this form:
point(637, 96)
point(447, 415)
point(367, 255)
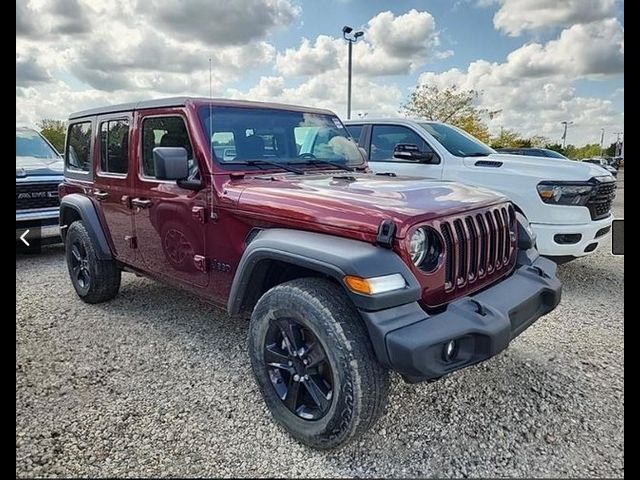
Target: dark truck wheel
point(95, 280)
point(314, 363)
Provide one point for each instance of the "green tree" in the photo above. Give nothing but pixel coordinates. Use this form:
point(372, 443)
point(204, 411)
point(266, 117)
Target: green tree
point(587, 151)
point(611, 150)
point(474, 126)
point(54, 131)
point(450, 105)
point(509, 139)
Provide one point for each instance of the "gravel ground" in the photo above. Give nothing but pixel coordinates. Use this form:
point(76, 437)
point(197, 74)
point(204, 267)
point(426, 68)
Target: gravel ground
point(157, 383)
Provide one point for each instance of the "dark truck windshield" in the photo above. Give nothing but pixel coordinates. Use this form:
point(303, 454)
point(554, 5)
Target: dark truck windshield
point(456, 141)
point(247, 136)
point(29, 143)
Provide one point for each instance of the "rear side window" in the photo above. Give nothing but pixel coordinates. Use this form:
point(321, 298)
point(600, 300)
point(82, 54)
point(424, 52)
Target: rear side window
point(78, 153)
point(114, 146)
point(354, 131)
point(163, 132)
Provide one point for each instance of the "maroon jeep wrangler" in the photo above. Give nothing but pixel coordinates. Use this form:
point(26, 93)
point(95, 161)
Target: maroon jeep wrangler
point(270, 210)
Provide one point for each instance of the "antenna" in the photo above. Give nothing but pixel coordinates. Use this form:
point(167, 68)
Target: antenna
point(210, 114)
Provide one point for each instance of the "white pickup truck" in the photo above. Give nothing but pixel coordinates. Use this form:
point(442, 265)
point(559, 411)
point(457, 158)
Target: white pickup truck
point(567, 203)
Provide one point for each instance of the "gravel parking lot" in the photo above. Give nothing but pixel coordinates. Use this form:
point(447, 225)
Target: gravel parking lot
point(158, 383)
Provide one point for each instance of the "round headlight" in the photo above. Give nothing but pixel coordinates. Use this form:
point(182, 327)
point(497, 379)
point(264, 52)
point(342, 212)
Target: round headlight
point(417, 247)
point(425, 248)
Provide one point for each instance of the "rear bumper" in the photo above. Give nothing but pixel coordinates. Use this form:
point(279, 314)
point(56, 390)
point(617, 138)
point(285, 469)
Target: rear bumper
point(412, 342)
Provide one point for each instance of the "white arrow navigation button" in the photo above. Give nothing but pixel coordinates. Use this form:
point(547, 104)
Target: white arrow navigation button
point(24, 240)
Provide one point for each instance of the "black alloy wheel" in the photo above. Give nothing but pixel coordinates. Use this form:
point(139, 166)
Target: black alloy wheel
point(298, 369)
point(80, 264)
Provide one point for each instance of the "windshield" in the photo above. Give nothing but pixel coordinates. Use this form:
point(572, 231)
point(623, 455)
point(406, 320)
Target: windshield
point(259, 136)
point(29, 143)
point(554, 154)
point(457, 142)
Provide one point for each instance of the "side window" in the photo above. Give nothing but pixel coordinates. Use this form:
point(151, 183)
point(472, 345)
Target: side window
point(78, 154)
point(224, 146)
point(114, 146)
point(354, 131)
point(164, 132)
point(384, 138)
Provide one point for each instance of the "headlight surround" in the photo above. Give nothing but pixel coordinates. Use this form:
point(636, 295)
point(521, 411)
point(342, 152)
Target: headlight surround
point(425, 248)
point(556, 193)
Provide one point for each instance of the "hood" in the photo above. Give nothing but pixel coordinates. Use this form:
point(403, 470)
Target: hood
point(356, 201)
point(544, 168)
point(34, 166)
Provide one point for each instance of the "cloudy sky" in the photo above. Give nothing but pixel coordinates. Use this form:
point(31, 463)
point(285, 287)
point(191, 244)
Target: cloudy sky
point(539, 61)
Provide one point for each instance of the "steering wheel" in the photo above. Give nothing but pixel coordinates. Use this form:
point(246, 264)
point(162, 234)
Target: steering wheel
point(308, 155)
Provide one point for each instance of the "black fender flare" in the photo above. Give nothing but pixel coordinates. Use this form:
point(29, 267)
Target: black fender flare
point(329, 255)
point(84, 207)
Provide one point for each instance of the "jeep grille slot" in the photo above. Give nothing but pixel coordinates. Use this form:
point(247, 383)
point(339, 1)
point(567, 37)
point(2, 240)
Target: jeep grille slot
point(478, 246)
point(448, 242)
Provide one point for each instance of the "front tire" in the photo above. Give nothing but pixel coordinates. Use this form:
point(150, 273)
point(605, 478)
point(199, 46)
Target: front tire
point(314, 364)
point(94, 280)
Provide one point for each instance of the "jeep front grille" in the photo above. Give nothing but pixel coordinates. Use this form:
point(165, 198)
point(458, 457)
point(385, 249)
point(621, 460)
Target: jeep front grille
point(477, 245)
point(36, 195)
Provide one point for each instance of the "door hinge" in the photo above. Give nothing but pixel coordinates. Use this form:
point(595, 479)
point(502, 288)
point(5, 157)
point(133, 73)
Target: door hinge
point(132, 241)
point(197, 213)
point(200, 262)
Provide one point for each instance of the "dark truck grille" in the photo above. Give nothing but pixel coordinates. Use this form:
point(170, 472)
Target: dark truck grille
point(478, 245)
point(600, 202)
point(36, 195)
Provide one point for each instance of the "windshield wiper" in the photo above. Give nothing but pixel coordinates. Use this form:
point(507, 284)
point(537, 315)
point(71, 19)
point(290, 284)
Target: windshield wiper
point(252, 163)
point(327, 162)
point(477, 154)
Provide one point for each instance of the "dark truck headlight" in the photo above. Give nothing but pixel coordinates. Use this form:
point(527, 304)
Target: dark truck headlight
point(559, 193)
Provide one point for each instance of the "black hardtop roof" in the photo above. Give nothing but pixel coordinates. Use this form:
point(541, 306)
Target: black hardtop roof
point(182, 101)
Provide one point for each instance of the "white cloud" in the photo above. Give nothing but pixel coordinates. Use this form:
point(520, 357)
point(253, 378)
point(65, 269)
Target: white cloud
point(517, 16)
point(132, 55)
point(233, 22)
point(531, 105)
point(328, 90)
point(309, 58)
point(392, 45)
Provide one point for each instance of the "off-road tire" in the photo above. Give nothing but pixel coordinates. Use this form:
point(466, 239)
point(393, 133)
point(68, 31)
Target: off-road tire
point(104, 275)
point(360, 382)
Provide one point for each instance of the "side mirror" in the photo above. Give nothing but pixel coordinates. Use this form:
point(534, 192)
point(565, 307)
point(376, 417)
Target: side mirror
point(411, 152)
point(171, 163)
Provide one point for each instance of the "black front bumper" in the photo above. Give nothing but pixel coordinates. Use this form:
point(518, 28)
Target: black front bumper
point(412, 342)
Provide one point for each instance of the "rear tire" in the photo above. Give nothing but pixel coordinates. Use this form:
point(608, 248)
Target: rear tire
point(94, 280)
point(354, 385)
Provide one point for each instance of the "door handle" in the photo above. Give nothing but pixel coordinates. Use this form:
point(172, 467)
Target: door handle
point(100, 195)
point(141, 202)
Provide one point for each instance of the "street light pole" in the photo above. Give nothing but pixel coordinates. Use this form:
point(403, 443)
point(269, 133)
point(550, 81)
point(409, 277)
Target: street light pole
point(602, 143)
point(349, 80)
point(564, 135)
point(351, 38)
